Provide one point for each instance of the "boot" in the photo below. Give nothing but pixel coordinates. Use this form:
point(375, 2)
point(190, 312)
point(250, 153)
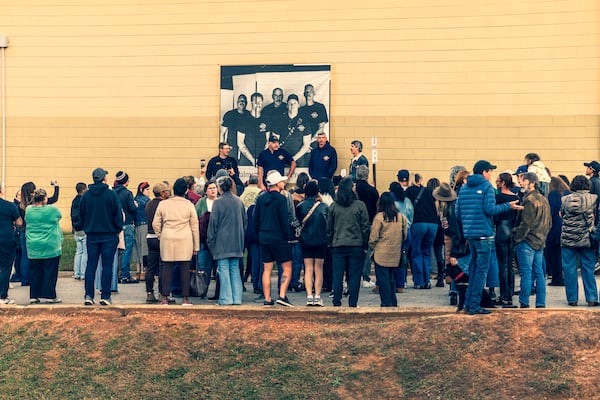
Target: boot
point(453, 298)
point(150, 299)
point(440, 281)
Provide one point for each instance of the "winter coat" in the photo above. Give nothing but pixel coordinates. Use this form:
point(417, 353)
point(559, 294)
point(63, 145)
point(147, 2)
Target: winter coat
point(535, 221)
point(100, 210)
point(227, 227)
point(577, 210)
point(176, 225)
point(476, 206)
point(386, 240)
point(348, 226)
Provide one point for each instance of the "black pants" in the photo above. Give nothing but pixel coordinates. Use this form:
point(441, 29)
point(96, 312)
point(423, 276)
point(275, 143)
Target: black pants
point(554, 264)
point(7, 257)
point(43, 273)
point(166, 274)
point(153, 265)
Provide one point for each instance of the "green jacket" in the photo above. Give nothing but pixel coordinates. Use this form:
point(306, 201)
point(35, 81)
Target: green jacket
point(348, 226)
point(535, 221)
point(43, 234)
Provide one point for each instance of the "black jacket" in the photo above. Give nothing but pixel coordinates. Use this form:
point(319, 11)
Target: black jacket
point(75, 221)
point(272, 218)
point(314, 231)
point(100, 210)
point(127, 203)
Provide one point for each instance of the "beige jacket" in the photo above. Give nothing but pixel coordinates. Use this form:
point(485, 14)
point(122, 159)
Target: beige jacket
point(386, 240)
point(176, 225)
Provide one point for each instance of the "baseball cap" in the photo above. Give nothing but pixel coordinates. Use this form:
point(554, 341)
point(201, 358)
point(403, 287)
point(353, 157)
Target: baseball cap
point(482, 165)
point(521, 169)
point(595, 165)
point(274, 177)
point(403, 175)
point(274, 138)
point(98, 174)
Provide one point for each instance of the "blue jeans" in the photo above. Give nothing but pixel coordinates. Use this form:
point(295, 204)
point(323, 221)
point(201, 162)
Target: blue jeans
point(297, 264)
point(531, 269)
point(366, 274)
point(205, 260)
point(493, 278)
point(587, 258)
point(422, 236)
point(24, 261)
point(387, 286)
point(114, 281)
point(481, 253)
point(80, 255)
point(129, 236)
point(352, 259)
point(228, 270)
point(98, 245)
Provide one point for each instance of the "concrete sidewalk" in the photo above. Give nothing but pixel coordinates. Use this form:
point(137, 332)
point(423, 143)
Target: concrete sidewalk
point(71, 292)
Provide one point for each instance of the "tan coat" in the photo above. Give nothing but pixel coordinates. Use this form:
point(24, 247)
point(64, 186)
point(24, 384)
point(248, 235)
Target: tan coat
point(386, 240)
point(176, 225)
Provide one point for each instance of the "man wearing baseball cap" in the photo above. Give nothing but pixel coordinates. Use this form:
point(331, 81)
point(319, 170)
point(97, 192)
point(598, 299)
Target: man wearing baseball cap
point(593, 171)
point(273, 158)
point(272, 222)
point(475, 207)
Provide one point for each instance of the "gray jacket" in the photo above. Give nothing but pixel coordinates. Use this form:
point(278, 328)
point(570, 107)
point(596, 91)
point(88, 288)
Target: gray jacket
point(227, 227)
point(577, 210)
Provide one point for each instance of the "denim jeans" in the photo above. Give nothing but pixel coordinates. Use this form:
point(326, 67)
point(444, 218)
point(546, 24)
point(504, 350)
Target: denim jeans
point(114, 282)
point(297, 264)
point(422, 235)
point(493, 279)
point(387, 286)
point(80, 255)
point(228, 270)
point(366, 273)
point(24, 261)
point(105, 246)
point(129, 236)
point(352, 259)
point(587, 259)
point(205, 260)
point(531, 270)
point(481, 253)
point(256, 262)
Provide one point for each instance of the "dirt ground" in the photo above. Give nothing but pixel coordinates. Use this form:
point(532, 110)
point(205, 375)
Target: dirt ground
point(264, 354)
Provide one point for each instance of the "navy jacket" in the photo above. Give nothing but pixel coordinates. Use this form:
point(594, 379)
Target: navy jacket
point(100, 210)
point(127, 203)
point(272, 218)
point(476, 206)
point(323, 162)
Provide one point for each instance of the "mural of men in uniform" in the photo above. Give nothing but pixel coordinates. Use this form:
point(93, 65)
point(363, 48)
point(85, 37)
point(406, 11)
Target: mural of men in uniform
point(235, 124)
point(314, 112)
point(254, 139)
point(296, 140)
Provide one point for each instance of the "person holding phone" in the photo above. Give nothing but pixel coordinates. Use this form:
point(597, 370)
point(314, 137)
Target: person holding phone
point(224, 161)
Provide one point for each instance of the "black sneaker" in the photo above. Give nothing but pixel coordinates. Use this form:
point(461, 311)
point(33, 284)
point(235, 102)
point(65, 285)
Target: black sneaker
point(88, 301)
point(268, 303)
point(129, 280)
point(105, 302)
point(283, 301)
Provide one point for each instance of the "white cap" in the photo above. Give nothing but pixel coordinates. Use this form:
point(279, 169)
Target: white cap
point(274, 177)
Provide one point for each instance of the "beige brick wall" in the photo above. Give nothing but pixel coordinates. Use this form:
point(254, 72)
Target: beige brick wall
point(136, 86)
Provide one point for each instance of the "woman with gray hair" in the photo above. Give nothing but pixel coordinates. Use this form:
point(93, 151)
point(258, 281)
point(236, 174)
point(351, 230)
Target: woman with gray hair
point(44, 248)
point(225, 239)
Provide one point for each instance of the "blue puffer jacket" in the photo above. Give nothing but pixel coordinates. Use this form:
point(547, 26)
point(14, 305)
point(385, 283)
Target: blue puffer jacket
point(475, 207)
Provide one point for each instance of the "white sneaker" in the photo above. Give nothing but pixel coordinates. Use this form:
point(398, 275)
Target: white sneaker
point(368, 284)
point(318, 302)
point(7, 301)
point(309, 301)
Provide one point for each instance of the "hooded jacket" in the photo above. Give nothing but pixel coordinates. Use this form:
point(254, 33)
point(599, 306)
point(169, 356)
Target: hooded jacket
point(475, 207)
point(100, 210)
point(272, 218)
point(577, 210)
point(535, 221)
point(127, 203)
point(323, 162)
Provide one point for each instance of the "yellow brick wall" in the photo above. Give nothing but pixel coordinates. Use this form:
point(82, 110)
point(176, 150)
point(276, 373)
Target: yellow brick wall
point(135, 86)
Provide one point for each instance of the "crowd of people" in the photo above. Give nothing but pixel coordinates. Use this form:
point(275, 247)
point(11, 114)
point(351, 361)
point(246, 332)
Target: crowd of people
point(339, 230)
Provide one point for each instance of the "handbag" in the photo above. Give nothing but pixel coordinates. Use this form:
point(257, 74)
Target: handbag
point(198, 284)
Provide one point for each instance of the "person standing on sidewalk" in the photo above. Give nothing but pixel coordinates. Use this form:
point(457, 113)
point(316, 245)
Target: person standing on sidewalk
point(475, 207)
point(102, 219)
point(80, 260)
point(9, 221)
point(272, 222)
point(130, 209)
point(530, 239)
point(161, 192)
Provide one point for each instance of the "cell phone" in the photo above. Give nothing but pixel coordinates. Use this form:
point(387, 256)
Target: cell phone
point(202, 163)
point(228, 165)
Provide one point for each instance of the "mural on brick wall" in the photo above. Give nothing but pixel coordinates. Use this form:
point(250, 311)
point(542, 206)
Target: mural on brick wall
point(290, 102)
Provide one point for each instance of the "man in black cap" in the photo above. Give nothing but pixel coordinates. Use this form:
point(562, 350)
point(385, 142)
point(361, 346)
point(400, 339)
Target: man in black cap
point(273, 158)
point(101, 216)
point(129, 209)
point(475, 207)
point(593, 171)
